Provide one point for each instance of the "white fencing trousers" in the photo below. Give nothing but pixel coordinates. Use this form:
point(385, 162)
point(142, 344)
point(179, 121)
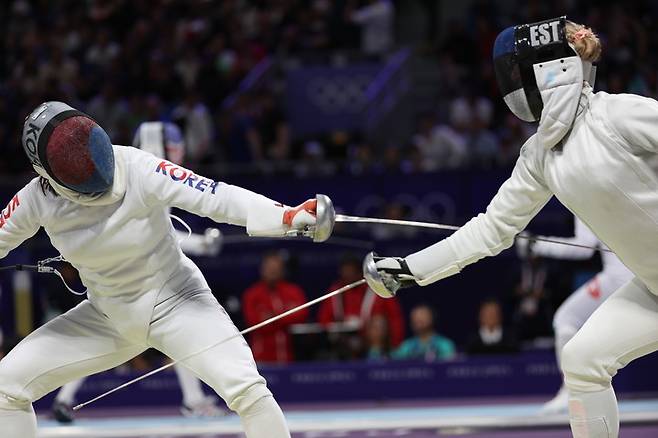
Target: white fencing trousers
point(264, 419)
point(18, 422)
point(622, 329)
point(83, 342)
point(577, 308)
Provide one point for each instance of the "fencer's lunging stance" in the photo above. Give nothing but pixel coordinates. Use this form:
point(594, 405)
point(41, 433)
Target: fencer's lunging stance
point(106, 209)
point(164, 140)
point(590, 151)
point(574, 311)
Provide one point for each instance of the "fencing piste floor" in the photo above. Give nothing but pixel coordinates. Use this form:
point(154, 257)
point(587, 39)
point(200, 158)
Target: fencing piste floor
point(494, 418)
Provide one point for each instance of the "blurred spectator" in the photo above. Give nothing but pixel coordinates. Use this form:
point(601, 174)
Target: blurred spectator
point(60, 68)
point(269, 297)
point(103, 51)
point(532, 315)
point(464, 110)
point(442, 146)
point(273, 129)
point(484, 145)
point(188, 67)
point(108, 108)
point(237, 131)
point(313, 29)
point(492, 337)
point(378, 339)
point(513, 135)
point(194, 117)
point(376, 21)
point(474, 113)
point(360, 305)
point(395, 211)
point(360, 159)
point(426, 344)
point(313, 161)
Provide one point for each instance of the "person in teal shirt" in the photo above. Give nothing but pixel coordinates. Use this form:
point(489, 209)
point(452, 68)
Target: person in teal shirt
point(378, 339)
point(426, 344)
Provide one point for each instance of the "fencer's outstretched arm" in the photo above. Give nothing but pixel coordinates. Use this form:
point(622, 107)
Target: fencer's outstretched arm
point(164, 183)
point(20, 219)
point(632, 118)
point(582, 236)
point(518, 200)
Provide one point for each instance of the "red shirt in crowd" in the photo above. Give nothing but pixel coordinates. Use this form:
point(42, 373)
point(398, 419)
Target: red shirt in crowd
point(363, 304)
point(272, 343)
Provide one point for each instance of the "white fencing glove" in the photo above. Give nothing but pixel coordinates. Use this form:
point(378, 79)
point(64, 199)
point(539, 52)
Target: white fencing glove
point(313, 218)
point(269, 219)
point(302, 216)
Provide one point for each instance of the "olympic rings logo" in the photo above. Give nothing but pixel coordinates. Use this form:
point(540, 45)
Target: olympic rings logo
point(436, 206)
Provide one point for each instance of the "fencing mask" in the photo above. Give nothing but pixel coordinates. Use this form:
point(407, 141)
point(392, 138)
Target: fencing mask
point(540, 75)
point(69, 147)
point(162, 139)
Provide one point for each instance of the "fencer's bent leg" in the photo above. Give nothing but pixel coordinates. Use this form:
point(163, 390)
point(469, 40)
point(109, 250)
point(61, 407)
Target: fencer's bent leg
point(67, 392)
point(73, 345)
point(18, 420)
point(191, 321)
point(594, 414)
point(190, 386)
point(622, 329)
point(570, 316)
point(264, 419)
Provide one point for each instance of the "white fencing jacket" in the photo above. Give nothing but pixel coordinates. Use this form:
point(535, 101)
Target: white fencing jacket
point(126, 247)
point(599, 171)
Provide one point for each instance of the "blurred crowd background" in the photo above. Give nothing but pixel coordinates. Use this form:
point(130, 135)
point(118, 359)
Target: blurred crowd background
point(127, 61)
point(293, 89)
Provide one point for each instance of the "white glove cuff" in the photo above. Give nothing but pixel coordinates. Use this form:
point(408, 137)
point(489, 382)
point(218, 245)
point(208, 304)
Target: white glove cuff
point(433, 263)
point(265, 218)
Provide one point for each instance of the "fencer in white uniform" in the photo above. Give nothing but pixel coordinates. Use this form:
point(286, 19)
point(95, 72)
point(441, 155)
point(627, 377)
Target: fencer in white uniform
point(164, 140)
point(574, 311)
point(591, 151)
point(106, 210)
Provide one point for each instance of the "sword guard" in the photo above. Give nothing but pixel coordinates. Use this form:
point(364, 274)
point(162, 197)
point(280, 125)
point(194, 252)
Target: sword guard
point(325, 219)
point(375, 280)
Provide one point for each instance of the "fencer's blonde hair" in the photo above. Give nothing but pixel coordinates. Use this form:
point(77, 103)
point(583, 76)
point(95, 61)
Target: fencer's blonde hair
point(584, 40)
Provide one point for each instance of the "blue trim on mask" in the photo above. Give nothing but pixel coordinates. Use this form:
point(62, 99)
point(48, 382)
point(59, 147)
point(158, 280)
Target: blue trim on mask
point(102, 154)
point(505, 42)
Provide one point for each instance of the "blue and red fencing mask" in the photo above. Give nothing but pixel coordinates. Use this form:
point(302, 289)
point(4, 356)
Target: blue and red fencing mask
point(70, 147)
